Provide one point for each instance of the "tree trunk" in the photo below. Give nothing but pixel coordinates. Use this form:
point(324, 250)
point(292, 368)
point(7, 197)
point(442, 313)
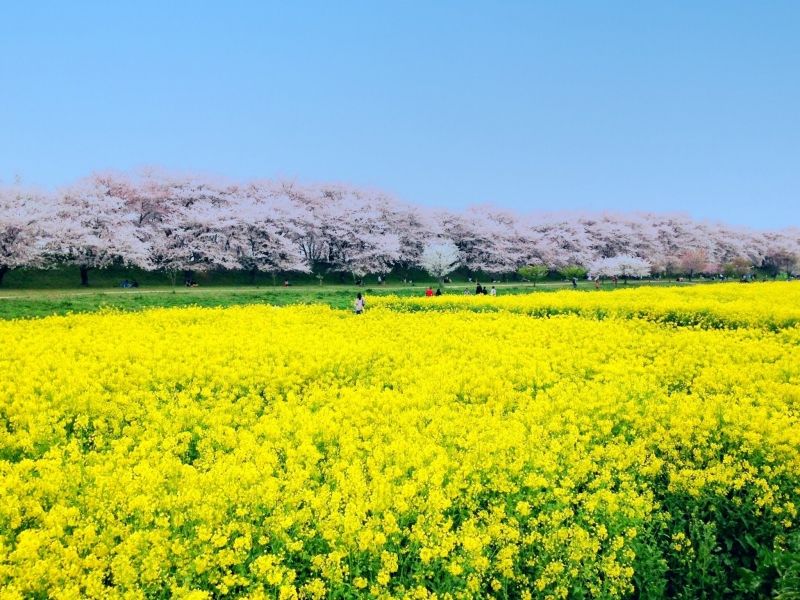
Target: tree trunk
point(187, 276)
point(253, 272)
point(3, 271)
point(84, 276)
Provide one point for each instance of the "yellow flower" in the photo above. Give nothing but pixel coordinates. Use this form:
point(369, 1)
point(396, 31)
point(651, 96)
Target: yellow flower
point(196, 452)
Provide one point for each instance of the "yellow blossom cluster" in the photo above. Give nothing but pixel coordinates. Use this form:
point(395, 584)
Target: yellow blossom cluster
point(773, 305)
point(306, 452)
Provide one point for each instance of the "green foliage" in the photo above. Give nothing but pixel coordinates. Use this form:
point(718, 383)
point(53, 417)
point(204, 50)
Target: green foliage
point(787, 564)
point(533, 273)
point(570, 271)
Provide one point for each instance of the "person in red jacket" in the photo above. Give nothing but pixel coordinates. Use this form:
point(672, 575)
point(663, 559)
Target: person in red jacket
point(429, 291)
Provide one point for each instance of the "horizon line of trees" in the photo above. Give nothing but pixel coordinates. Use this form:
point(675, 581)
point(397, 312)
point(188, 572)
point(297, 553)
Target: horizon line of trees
point(183, 224)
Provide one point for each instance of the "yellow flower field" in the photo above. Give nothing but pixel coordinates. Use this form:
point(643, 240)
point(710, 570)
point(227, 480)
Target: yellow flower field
point(768, 305)
point(462, 452)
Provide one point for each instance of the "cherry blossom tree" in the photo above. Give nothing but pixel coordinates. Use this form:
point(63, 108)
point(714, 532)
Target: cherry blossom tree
point(94, 228)
point(313, 220)
point(780, 259)
point(413, 226)
point(363, 241)
point(487, 239)
point(261, 234)
point(190, 223)
point(780, 251)
point(22, 237)
point(339, 228)
point(185, 222)
point(665, 265)
point(367, 253)
point(633, 266)
point(693, 262)
point(142, 194)
point(440, 259)
point(624, 266)
point(558, 241)
point(738, 267)
point(195, 238)
point(611, 235)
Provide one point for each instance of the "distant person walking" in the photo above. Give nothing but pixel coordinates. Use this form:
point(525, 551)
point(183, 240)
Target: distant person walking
point(574, 283)
point(359, 304)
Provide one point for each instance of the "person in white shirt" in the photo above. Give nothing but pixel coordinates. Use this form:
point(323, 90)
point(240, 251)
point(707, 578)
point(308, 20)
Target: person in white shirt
point(359, 305)
point(493, 292)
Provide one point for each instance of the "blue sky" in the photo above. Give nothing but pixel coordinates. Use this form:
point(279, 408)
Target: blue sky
point(667, 106)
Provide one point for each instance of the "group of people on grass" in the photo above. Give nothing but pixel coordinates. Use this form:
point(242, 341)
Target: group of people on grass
point(429, 292)
point(480, 290)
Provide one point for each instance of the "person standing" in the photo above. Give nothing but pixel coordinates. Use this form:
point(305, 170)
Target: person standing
point(359, 304)
point(478, 289)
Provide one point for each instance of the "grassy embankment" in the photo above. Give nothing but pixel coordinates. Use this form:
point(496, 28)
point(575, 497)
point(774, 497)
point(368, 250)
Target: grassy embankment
point(27, 294)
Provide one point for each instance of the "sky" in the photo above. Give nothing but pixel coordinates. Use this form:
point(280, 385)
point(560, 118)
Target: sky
point(689, 107)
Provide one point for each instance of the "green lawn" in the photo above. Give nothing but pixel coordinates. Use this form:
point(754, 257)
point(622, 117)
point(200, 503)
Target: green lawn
point(27, 303)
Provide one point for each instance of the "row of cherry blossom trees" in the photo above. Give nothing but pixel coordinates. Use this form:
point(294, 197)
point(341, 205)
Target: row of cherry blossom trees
point(182, 224)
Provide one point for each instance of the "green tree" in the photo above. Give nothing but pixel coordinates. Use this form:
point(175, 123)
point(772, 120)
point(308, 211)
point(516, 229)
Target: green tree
point(570, 271)
point(533, 273)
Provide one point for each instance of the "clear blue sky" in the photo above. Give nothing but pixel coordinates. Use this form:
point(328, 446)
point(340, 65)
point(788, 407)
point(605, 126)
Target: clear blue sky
point(666, 106)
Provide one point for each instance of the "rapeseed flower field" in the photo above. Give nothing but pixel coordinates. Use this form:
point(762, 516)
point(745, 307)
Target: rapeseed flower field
point(768, 305)
point(630, 444)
